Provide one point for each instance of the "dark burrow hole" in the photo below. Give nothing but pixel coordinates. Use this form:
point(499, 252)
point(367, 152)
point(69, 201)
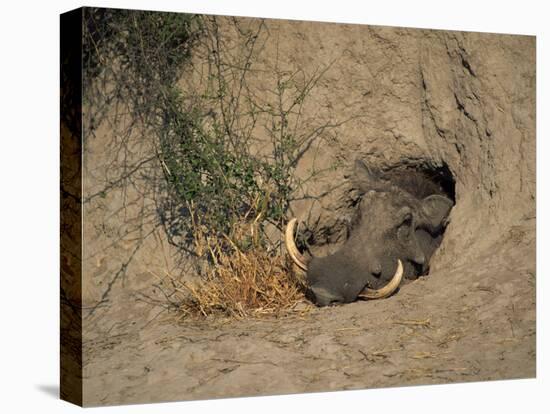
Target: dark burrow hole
point(443, 177)
point(426, 179)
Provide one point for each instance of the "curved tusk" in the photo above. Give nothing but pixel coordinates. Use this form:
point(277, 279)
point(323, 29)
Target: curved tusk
point(387, 290)
point(291, 248)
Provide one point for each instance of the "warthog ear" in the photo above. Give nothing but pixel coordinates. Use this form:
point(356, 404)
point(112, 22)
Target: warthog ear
point(366, 178)
point(434, 210)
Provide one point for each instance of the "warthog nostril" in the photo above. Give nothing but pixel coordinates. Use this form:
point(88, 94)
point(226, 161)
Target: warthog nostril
point(377, 269)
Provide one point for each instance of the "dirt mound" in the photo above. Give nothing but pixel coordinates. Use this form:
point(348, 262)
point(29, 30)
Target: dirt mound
point(464, 102)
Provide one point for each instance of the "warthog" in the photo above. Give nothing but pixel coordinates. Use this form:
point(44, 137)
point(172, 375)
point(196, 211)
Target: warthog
point(397, 227)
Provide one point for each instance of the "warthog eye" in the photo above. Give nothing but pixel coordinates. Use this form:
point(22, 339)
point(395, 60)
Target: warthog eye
point(404, 229)
point(407, 221)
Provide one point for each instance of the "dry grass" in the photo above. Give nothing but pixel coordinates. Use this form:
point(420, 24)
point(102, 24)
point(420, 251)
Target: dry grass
point(423, 323)
point(239, 283)
point(244, 285)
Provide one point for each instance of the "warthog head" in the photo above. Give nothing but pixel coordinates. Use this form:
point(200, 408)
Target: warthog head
point(394, 233)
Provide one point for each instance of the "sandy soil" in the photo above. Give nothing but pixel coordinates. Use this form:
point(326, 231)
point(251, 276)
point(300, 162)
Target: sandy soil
point(464, 99)
point(471, 323)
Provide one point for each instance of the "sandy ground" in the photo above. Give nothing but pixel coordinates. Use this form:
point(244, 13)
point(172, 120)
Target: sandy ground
point(470, 323)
